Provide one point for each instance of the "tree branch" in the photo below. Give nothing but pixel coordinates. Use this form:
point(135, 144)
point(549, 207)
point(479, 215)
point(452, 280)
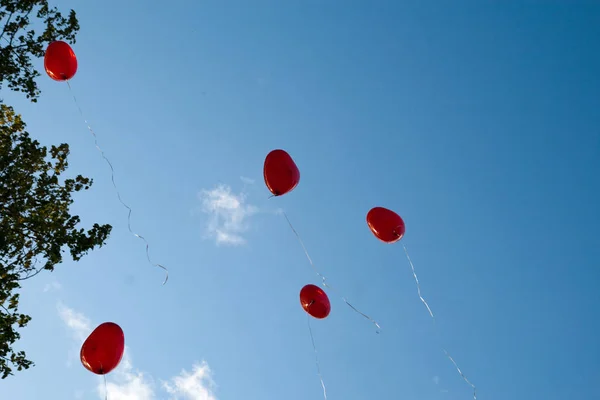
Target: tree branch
point(6, 24)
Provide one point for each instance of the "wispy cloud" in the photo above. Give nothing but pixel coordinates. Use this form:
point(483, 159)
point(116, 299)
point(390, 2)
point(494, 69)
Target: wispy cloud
point(228, 214)
point(52, 286)
point(79, 325)
point(129, 383)
point(197, 385)
point(247, 181)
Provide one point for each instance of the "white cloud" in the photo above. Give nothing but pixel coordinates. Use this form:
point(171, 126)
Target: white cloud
point(247, 181)
point(197, 385)
point(54, 285)
point(228, 214)
point(436, 380)
point(79, 325)
point(128, 383)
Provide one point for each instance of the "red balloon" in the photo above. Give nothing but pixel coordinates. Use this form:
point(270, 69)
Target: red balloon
point(60, 61)
point(280, 172)
point(314, 300)
point(385, 224)
point(103, 349)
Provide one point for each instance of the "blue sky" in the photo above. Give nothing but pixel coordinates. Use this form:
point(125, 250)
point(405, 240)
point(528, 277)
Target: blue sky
point(477, 121)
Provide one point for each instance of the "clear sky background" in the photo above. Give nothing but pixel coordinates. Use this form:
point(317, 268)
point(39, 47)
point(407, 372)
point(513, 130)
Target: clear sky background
point(477, 121)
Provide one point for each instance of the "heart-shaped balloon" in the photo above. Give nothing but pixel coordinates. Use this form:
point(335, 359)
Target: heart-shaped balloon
point(280, 172)
point(315, 302)
point(385, 224)
point(103, 350)
point(60, 61)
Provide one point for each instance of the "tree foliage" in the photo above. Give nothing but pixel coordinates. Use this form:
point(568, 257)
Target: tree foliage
point(36, 226)
point(35, 223)
point(19, 41)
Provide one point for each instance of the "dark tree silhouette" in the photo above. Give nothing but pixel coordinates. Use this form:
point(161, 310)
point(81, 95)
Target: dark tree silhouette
point(36, 226)
point(19, 41)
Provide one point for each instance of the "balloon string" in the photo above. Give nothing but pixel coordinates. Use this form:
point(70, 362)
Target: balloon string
point(105, 388)
point(434, 323)
point(417, 281)
point(323, 279)
point(112, 171)
point(312, 339)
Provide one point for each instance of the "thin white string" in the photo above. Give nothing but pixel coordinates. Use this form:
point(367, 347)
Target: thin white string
point(312, 339)
point(105, 388)
point(434, 323)
point(323, 279)
point(112, 171)
point(417, 281)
